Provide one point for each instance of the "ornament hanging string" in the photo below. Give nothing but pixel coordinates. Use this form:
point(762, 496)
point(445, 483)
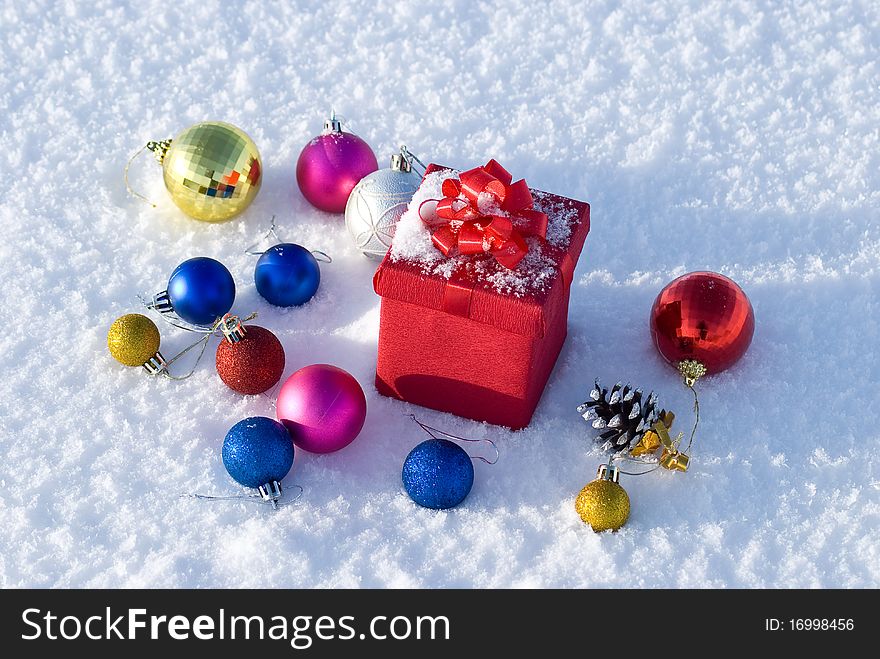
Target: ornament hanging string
point(254, 250)
point(203, 342)
point(159, 149)
point(249, 498)
point(431, 431)
point(691, 371)
point(622, 458)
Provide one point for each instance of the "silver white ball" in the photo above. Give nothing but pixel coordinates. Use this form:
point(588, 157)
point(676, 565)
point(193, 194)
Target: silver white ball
point(375, 206)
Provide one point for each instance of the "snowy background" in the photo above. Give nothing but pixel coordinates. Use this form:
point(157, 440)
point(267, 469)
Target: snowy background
point(742, 137)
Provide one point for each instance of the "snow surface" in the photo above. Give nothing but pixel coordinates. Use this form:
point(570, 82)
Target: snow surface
point(740, 136)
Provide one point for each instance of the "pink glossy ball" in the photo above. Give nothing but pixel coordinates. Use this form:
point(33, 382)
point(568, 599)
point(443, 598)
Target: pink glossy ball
point(323, 408)
point(330, 166)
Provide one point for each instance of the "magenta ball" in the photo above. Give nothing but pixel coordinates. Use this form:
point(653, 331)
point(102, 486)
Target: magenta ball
point(323, 408)
point(330, 166)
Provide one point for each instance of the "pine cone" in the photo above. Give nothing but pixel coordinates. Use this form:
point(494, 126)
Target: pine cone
point(624, 415)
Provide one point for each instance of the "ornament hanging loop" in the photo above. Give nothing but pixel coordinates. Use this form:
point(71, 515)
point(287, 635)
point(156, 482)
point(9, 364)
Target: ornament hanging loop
point(271, 233)
point(696, 421)
point(203, 342)
point(269, 494)
point(654, 466)
point(128, 187)
point(431, 431)
point(228, 325)
point(254, 250)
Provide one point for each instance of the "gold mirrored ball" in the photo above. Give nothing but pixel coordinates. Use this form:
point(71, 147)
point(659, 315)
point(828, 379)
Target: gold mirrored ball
point(212, 171)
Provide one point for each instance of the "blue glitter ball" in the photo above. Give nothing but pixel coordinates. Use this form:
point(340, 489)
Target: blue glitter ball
point(257, 450)
point(287, 275)
point(201, 290)
point(438, 474)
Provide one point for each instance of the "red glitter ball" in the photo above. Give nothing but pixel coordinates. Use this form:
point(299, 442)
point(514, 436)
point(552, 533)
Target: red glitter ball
point(254, 364)
point(703, 316)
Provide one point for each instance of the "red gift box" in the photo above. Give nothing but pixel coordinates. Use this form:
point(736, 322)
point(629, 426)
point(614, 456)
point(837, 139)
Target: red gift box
point(461, 345)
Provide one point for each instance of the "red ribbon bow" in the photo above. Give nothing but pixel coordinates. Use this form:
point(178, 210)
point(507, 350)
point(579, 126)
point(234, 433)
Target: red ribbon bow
point(501, 230)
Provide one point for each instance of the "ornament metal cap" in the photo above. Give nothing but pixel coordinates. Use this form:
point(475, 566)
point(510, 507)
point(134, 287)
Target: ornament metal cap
point(409, 158)
point(232, 328)
point(332, 124)
point(608, 472)
point(159, 149)
point(400, 163)
point(156, 364)
point(271, 492)
point(691, 370)
point(161, 302)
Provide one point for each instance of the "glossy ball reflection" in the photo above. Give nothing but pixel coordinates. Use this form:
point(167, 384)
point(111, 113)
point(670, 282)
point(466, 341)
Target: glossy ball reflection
point(287, 275)
point(703, 316)
point(329, 167)
point(323, 407)
point(212, 171)
point(201, 290)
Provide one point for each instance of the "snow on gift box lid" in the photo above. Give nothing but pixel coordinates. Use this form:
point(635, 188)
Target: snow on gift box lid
point(477, 286)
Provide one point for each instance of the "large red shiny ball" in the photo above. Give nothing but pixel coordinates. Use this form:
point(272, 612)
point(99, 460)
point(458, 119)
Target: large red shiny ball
point(703, 316)
point(252, 365)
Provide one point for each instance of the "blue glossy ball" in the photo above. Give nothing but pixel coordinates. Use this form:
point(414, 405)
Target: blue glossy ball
point(201, 290)
point(438, 474)
point(287, 275)
point(257, 450)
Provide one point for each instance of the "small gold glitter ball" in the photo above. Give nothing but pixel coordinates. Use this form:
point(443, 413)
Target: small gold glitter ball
point(133, 339)
point(212, 171)
point(603, 504)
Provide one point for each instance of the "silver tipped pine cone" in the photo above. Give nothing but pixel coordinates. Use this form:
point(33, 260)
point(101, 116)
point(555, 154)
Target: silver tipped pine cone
point(624, 415)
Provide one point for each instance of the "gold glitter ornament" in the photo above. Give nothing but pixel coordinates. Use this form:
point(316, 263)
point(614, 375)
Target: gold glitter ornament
point(133, 340)
point(603, 503)
point(212, 170)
